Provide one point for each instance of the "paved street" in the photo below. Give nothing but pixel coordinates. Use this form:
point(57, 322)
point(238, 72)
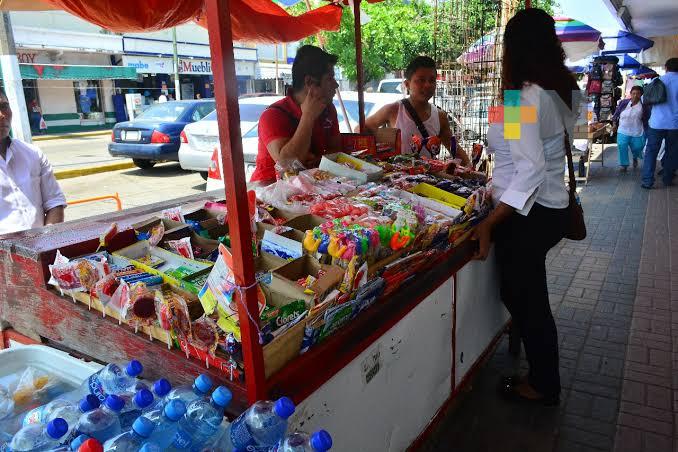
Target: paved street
point(135, 187)
point(615, 301)
point(71, 153)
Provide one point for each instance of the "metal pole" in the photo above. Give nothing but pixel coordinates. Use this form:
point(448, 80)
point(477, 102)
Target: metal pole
point(9, 66)
point(277, 81)
point(175, 60)
point(233, 166)
point(359, 64)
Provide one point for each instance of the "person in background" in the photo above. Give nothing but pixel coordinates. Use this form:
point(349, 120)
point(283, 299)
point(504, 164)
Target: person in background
point(530, 198)
point(302, 126)
point(162, 98)
point(663, 126)
point(35, 114)
point(631, 120)
point(31, 196)
point(198, 96)
point(420, 82)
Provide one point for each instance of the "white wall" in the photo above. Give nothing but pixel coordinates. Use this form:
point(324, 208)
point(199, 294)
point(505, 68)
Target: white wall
point(57, 96)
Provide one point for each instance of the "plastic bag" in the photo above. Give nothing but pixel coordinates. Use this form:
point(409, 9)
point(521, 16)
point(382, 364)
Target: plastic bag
point(182, 247)
point(278, 195)
point(173, 214)
point(285, 169)
point(28, 389)
point(205, 335)
point(141, 307)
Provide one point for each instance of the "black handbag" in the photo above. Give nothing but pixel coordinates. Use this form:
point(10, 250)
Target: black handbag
point(575, 227)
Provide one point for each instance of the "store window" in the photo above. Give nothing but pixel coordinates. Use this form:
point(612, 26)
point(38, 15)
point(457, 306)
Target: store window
point(88, 99)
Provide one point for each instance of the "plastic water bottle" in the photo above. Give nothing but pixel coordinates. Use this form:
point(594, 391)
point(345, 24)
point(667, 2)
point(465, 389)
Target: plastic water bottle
point(141, 400)
point(320, 441)
point(103, 423)
point(112, 379)
point(150, 447)
point(166, 423)
point(263, 425)
point(75, 444)
point(187, 394)
point(160, 389)
point(37, 437)
point(132, 440)
point(65, 409)
point(202, 420)
point(90, 445)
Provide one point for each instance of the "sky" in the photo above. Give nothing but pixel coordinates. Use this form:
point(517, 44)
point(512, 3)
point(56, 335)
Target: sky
point(592, 12)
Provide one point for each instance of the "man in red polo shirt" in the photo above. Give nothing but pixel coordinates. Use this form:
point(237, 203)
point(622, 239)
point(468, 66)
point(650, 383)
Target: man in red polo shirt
point(303, 126)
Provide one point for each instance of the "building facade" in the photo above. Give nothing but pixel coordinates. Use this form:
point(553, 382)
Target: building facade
point(75, 74)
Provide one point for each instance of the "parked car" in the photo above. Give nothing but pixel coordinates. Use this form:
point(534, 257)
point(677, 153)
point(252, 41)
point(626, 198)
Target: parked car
point(198, 140)
point(154, 135)
point(392, 86)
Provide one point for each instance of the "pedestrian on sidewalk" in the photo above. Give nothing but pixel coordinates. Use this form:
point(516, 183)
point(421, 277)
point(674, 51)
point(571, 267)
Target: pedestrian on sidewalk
point(631, 120)
point(663, 126)
point(530, 197)
point(31, 196)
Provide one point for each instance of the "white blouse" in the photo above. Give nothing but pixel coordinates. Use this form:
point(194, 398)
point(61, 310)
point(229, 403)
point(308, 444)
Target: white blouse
point(631, 120)
point(530, 169)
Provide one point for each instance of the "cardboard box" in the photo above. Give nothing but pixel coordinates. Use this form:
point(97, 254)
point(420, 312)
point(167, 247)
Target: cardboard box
point(429, 191)
point(306, 222)
point(285, 278)
point(208, 246)
point(170, 225)
point(364, 172)
point(208, 219)
point(137, 251)
point(430, 204)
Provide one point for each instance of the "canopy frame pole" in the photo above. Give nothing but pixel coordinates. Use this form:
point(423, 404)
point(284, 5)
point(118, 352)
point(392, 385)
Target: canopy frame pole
point(360, 78)
point(233, 168)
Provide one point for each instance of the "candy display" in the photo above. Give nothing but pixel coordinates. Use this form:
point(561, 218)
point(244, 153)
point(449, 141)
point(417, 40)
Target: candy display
point(344, 245)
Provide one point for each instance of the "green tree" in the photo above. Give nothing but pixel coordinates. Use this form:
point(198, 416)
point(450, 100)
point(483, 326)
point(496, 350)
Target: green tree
point(396, 33)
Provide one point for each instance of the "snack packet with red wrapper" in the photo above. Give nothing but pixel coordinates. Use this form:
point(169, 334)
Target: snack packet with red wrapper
point(141, 307)
point(156, 233)
point(120, 301)
point(205, 335)
point(182, 247)
point(174, 214)
point(107, 236)
point(105, 288)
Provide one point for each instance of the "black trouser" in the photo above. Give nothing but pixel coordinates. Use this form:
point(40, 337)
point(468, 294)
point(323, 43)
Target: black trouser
point(521, 246)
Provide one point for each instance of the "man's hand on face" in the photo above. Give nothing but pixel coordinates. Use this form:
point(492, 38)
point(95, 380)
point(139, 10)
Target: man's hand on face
point(314, 103)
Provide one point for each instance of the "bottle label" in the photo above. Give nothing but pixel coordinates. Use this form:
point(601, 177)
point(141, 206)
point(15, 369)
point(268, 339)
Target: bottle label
point(182, 440)
point(241, 438)
point(95, 387)
point(34, 416)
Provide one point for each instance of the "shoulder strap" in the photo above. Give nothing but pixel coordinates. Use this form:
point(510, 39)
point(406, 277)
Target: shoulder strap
point(293, 119)
point(570, 165)
point(415, 117)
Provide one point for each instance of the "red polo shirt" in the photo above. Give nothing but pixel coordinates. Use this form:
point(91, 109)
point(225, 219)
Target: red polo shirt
point(275, 123)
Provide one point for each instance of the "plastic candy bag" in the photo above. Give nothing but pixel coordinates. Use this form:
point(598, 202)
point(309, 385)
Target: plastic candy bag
point(107, 236)
point(182, 247)
point(285, 169)
point(120, 301)
point(156, 234)
point(105, 288)
point(205, 335)
point(141, 307)
point(64, 275)
point(174, 214)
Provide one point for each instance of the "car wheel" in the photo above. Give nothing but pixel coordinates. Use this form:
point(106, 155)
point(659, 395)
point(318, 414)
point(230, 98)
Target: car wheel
point(144, 164)
point(203, 174)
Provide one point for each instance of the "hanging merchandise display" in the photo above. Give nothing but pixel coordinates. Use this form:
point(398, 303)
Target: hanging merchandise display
point(604, 78)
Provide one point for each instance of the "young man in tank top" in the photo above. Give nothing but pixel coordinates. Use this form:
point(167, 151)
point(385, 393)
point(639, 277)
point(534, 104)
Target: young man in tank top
point(420, 81)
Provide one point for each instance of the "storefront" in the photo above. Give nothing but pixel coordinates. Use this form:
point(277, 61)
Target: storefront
point(156, 70)
point(71, 91)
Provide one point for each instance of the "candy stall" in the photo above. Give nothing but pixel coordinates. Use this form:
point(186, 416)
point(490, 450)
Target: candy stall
point(349, 288)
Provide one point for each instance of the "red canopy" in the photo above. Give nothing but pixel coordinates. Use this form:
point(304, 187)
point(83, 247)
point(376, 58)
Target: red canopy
point(252, 20)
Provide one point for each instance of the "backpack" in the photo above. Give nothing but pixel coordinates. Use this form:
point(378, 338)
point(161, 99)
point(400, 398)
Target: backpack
point(654, 92)
point(606, 101)
point(595, 73)
point(608, 87)
point(608, 71)
point(594, 86)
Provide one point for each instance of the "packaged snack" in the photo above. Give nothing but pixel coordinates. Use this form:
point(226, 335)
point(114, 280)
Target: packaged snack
point(156, 234)
point(275, 317)
point(120, 300)
point(141, 308)
point(64, 274)
point(105, 288)
point(182, 247)
point(107, 236)
point(174, 214)
point(205, 335)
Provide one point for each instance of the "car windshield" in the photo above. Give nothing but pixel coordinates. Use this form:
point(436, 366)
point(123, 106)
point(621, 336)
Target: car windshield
point(391, 87)
point(248, 113)
point(351, 110)
point(168, 111)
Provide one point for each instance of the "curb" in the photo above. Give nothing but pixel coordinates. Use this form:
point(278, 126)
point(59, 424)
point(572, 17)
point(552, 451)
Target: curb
point(68, 174)
point(71, 135)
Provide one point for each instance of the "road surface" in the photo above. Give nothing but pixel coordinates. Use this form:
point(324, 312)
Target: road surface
point(71, 153)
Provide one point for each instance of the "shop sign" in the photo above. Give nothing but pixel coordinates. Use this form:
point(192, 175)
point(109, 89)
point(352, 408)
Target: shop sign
point(148, 65)
point(26, 57)
point(195, 66)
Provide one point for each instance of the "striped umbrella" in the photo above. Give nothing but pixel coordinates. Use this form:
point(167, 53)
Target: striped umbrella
point(579, 40)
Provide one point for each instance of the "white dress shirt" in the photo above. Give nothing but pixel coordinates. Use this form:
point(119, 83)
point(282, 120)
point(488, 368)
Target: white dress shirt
point(530, 169)
point(28, 188)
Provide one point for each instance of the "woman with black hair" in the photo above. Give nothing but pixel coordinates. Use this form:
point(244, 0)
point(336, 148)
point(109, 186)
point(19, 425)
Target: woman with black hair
point(529, 193)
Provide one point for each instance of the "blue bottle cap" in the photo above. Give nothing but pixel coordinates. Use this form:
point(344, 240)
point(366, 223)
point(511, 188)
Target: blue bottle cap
point(114, 402)
point(321, 441)
point(143, 427)
point(222, 396)
point(134, 368)
point(89, 403)
point(162, 387)
point(203, 383)
point(284, 407)
point(77, 442)
point(56, 428)
point(175, 410)
point(143, 398)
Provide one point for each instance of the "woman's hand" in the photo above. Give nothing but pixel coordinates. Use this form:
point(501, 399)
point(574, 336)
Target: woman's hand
point(482, 234)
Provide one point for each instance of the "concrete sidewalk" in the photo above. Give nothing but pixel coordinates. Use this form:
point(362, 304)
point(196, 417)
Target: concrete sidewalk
point(615, 300)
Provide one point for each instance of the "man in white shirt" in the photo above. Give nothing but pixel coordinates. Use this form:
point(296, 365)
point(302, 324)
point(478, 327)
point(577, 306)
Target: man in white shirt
point(30, 196)
point(162, 98)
